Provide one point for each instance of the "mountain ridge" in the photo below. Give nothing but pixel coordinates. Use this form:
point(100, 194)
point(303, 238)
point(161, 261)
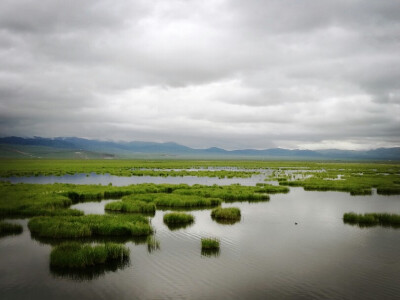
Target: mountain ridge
point(127, 149)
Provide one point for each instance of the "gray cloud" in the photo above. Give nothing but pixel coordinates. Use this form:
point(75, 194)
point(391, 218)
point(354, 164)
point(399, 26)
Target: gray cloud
point(232, 74)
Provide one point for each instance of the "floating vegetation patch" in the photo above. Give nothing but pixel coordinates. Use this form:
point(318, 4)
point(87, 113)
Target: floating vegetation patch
point(229, 193)
point(210, 244)
point(131, 207)
point(228, 215)
point(372, 219)
point(90, 225)
point(77, 256)
point(178, 220)
point(9, 229)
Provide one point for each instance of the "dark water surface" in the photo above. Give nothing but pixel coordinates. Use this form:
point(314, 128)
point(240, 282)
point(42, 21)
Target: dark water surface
point(264, 256)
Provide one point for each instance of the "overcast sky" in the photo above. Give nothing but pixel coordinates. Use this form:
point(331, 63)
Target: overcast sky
point(232, 74)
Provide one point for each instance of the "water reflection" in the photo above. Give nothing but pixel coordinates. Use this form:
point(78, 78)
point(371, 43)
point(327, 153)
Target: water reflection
point(90, 273)
point(178, 226)
point(226, 221)
point(152, 244)
point(369, 225)
point(210, 252)
point(137, 240)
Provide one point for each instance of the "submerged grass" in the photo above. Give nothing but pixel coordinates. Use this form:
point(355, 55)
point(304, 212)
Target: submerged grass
point(228, 213)
point(90, 225)
point(9, 228)
point(372, 219)
point(76, 255)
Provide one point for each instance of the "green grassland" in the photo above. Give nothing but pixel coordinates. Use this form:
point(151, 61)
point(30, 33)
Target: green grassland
point(27, 200)
point(37, 167)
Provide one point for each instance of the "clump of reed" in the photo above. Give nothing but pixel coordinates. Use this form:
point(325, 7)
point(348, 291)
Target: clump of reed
point(372, 219)
point(210, 244)
point(9, 228)
point(178, 218)
point(131, 207)
point(77, 255)
point(227, 213)
point(90, 225)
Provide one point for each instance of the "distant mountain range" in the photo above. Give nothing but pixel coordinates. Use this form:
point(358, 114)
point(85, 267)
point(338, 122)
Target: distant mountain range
point(73, 147)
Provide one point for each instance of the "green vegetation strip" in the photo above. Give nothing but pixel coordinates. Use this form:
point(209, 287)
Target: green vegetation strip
point(226, 193)
point(90, 225)
point(209, 244)
point(9, 228)
point(178, 218)
point(355, 178)
point(131, 207)
point(59, 167)
point(372, 219)
point(27, 200)
point(76, 255)
point(228, 213)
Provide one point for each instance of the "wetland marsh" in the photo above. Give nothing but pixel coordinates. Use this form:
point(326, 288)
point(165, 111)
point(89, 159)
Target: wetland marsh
point(280, 240)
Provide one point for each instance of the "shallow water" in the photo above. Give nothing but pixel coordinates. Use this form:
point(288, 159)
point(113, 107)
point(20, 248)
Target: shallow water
point(265, 255)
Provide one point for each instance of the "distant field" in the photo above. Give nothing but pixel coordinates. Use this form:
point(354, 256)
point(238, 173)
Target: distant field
point(356, 178)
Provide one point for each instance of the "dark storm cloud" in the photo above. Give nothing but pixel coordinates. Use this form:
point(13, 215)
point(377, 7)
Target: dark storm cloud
point(234, 74)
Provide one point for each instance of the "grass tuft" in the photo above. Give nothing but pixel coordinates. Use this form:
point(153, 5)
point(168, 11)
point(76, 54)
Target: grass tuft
point(228, 213)
point(178, 218)
point(131, 207)
point(209, 244)
point(76, 255)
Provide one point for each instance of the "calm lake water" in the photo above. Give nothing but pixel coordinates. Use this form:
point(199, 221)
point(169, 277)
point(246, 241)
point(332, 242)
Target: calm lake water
point(264, 256)
point(105, 179)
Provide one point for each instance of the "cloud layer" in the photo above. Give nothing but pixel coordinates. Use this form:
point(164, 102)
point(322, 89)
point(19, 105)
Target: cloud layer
point(234, 74)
